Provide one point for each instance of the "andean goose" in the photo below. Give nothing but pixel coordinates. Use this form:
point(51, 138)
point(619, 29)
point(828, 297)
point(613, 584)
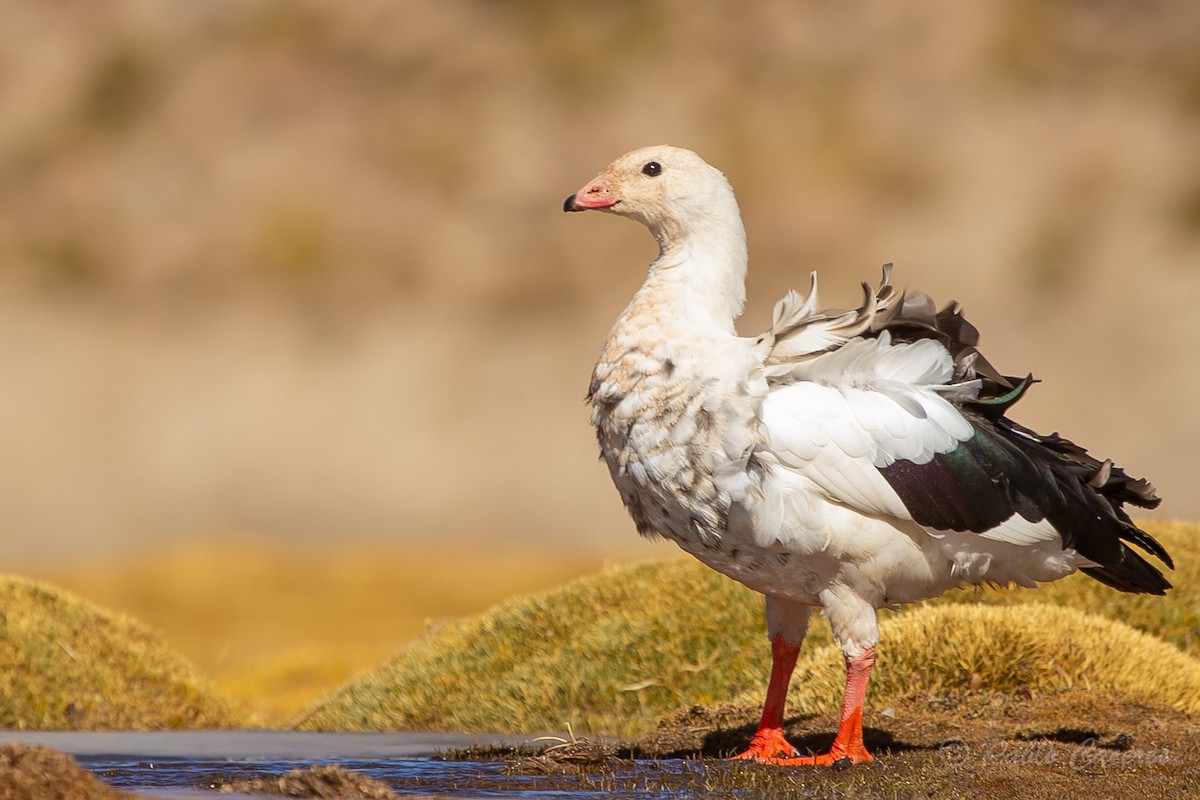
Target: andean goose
point(847, 460)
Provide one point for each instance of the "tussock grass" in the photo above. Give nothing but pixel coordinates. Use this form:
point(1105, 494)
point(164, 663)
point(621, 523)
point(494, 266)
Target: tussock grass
point(609, 652)
point(65, 664)
point(319, 617)
point(1175, 618)
point(616, 651)
point(956, 647)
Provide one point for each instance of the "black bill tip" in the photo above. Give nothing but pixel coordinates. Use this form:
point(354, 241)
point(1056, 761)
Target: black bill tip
point(569, 204)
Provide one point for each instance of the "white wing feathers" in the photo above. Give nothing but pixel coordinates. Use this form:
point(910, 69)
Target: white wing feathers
point(839, 436)
point(799, 332)
point(840, 406)
point(872, 400)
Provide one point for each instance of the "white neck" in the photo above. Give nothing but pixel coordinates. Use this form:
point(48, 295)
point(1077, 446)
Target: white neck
point(700, 272)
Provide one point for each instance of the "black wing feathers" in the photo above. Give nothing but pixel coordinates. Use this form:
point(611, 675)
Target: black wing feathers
point(968, 489)
point(1006, 468)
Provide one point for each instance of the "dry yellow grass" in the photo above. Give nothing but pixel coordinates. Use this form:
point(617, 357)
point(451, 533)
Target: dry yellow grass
point(66, 664)
point(609, 651)
point(615, 651)
point(276, 628)
point(955, 647)
point(1175, 618)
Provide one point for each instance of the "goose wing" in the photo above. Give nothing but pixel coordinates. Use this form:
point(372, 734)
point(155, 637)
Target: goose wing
point(891, 410)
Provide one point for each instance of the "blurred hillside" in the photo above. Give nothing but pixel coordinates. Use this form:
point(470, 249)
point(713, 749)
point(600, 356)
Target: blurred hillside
point(300, 269)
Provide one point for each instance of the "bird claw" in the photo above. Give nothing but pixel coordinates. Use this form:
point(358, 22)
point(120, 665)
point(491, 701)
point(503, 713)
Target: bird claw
point(834, 758)
point(767, 745)
point(770, 747)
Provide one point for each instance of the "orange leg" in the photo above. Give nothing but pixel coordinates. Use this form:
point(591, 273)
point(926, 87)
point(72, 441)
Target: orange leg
point(847, 744)
point(768, 741)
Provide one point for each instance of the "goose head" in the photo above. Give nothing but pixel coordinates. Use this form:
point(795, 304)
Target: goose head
point(671, 191)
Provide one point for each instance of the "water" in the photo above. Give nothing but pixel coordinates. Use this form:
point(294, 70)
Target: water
point(184, 779)
point(193, 765)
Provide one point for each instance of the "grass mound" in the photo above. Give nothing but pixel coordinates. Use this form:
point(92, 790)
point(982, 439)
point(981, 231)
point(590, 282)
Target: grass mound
point(616, 651)
point(65, 664)
point(943, 649)
point(1174, 618)
point(609, 652)
point(317, 611)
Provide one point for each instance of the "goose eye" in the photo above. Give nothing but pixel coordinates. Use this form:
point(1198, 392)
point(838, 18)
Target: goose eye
point(652, 168)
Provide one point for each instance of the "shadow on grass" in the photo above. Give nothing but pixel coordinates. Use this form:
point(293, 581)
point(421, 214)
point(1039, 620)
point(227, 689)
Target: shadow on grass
point(1078, 736)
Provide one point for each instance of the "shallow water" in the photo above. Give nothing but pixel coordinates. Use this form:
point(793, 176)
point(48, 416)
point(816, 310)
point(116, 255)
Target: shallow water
point(191, 766)
point(180, 779)
point(186, 778)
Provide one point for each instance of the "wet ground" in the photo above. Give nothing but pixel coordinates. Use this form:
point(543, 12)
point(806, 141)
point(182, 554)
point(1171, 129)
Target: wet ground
point(975, 745)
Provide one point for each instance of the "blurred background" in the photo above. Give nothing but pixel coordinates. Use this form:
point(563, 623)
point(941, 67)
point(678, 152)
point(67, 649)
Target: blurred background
point(288, 302)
